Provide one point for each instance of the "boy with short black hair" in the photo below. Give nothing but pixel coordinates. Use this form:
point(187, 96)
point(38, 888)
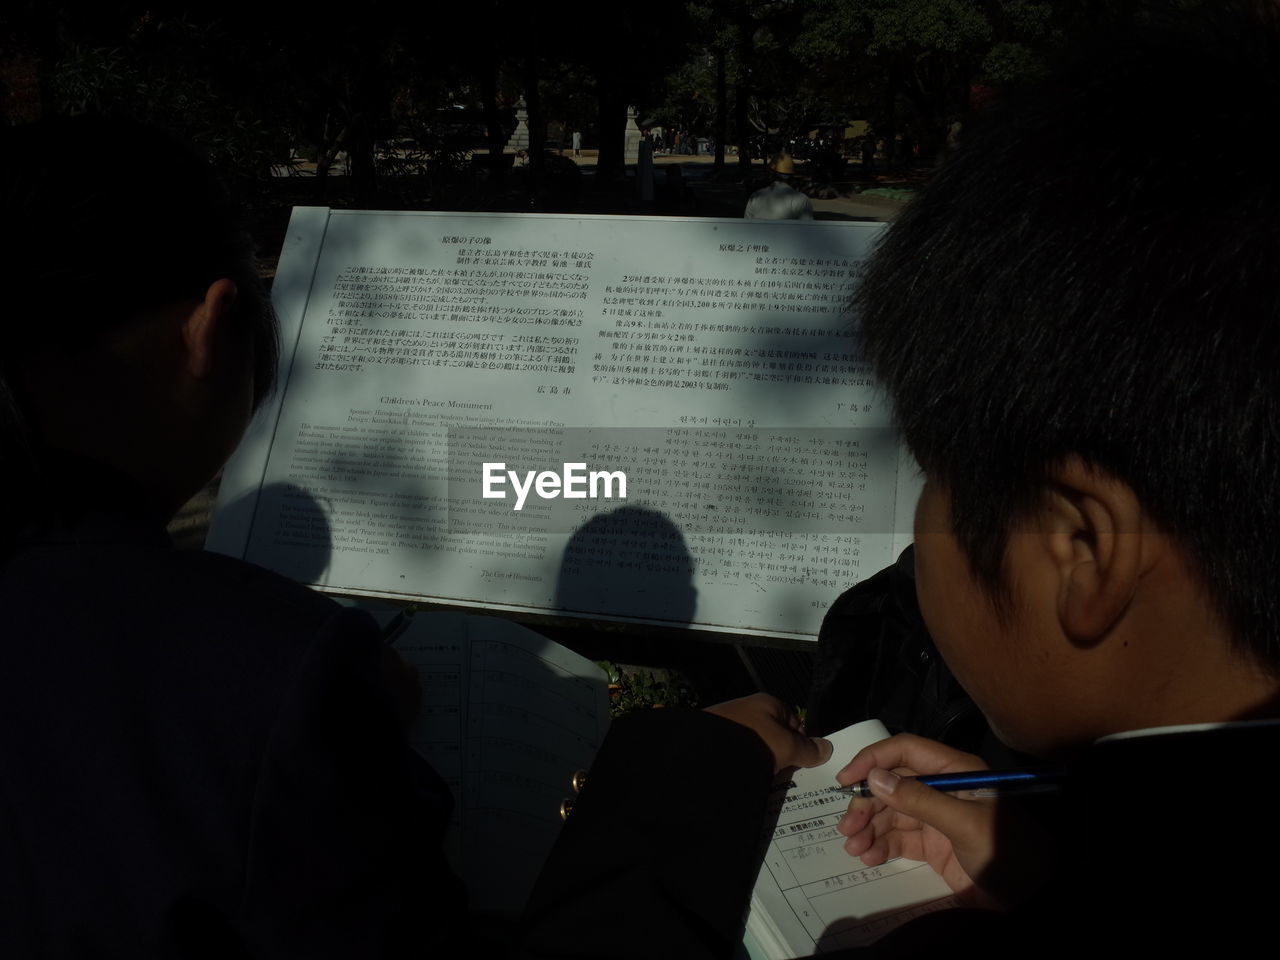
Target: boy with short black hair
point(1082, 348)
point(198, 757)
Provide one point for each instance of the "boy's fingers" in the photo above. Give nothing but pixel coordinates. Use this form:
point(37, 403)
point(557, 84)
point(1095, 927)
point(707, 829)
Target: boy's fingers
point(954, 818)
point(910, 751)
point(804, 751)
point(813, 751)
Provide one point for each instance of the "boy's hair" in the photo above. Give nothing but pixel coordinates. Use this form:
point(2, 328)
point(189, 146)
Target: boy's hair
point(101, 220)
point(1095, 272)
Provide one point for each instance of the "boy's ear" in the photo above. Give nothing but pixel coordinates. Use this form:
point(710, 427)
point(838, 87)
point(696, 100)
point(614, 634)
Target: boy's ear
point(1093, 524)
point(205, 325)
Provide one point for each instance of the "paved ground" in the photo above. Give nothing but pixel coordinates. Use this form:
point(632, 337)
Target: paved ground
point(698, 174)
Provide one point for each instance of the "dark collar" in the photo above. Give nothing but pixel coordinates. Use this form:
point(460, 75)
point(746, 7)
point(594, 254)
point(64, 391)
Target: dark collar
point(86, 501)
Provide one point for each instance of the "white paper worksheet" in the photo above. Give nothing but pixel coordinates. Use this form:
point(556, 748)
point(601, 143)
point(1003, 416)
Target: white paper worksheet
point(811, 895)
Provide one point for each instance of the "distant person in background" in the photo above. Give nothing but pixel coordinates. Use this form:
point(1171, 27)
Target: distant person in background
point(903, 151)
point(779, 200)
point(577, 142)
point(868, 156)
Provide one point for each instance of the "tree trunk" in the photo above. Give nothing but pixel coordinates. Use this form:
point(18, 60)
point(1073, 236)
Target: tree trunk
point(326, 149)
point(740, 94)
point(537, 122)
point(611, 164)
point(360, 163)
point(722, 108)
point(493, 125)
point(21, 96)
point(887, 124)
point(368, 108)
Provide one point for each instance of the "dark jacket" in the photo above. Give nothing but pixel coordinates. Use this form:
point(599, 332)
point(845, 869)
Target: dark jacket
point(200, 758)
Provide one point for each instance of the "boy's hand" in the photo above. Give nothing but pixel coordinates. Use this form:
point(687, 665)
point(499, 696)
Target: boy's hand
point(779, 727)
point(953, 835)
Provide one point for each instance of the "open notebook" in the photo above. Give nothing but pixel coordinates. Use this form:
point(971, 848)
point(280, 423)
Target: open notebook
point(810, 895)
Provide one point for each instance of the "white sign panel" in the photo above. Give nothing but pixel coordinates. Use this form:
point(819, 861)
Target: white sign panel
point(649, 419)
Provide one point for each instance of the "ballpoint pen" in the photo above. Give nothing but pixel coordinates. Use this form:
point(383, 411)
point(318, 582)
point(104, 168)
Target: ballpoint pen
point(985, 782)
